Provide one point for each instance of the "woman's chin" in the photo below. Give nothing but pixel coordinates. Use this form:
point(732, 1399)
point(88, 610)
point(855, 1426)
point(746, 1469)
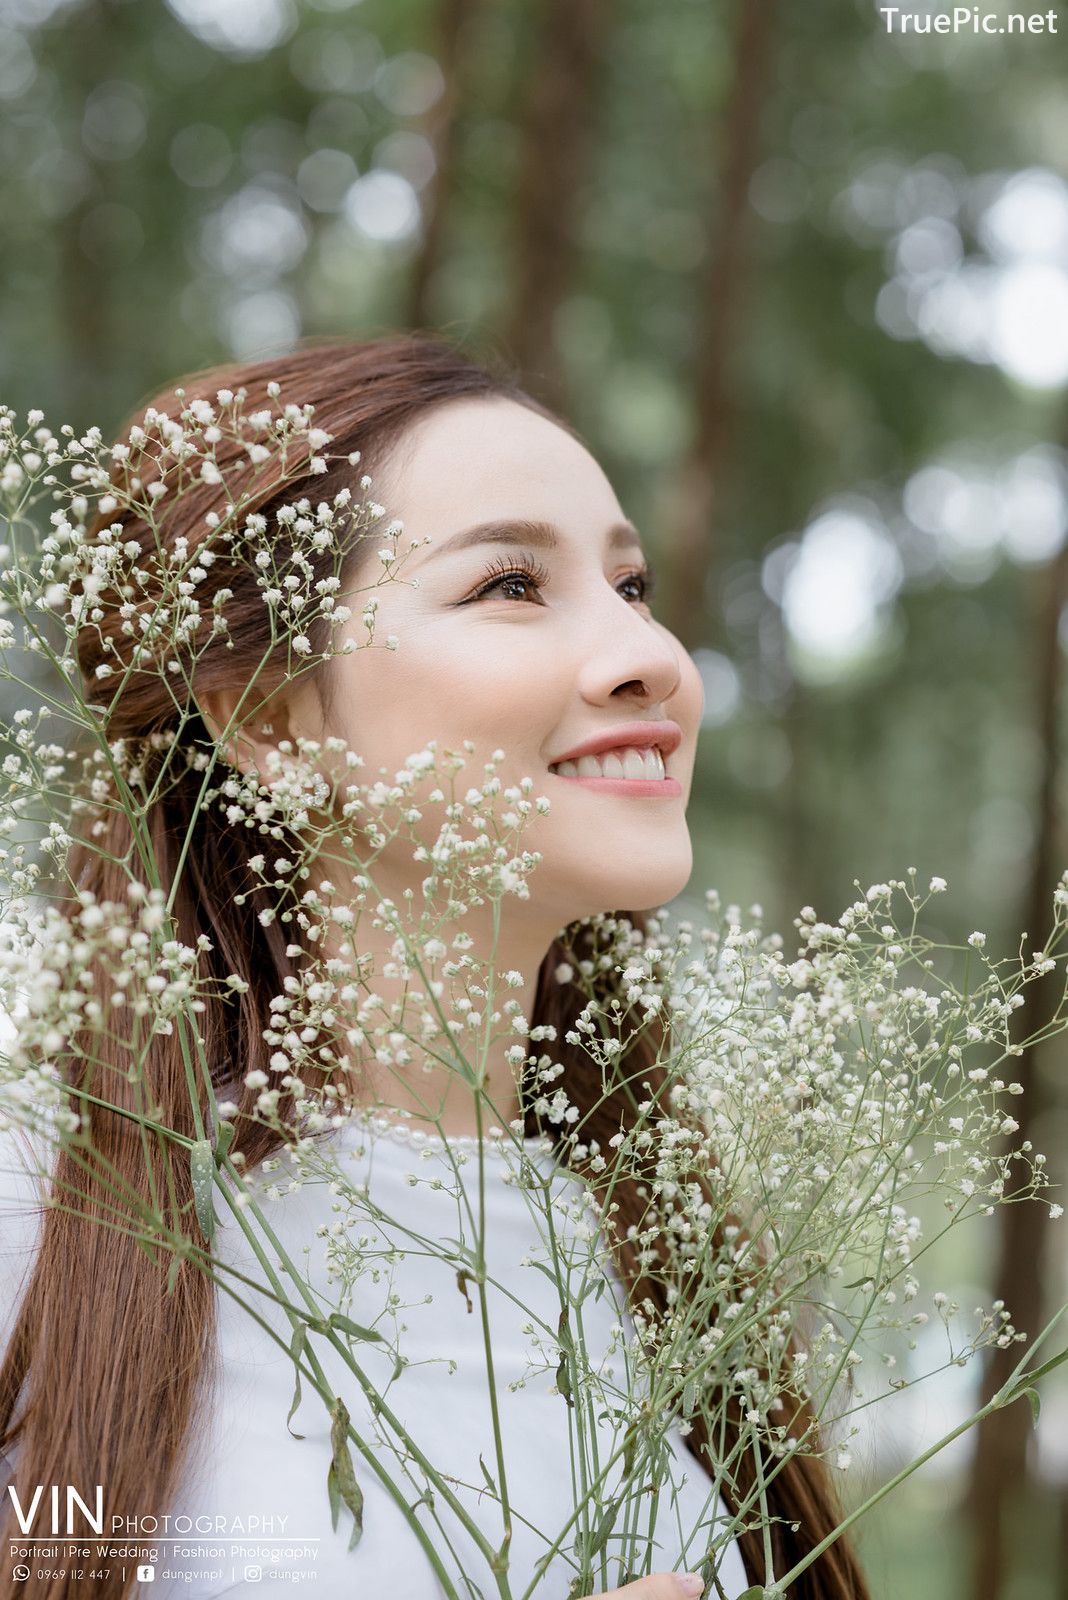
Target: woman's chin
point(639, 884)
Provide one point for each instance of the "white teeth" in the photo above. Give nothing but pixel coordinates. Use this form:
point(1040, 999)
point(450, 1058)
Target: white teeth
point(625, 763)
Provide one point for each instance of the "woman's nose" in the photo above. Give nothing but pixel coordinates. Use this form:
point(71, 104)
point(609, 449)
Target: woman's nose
point(628, 654)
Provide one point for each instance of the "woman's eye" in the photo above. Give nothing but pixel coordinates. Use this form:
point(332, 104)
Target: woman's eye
point(502, 584)
point(644, 582)
point(500, 578)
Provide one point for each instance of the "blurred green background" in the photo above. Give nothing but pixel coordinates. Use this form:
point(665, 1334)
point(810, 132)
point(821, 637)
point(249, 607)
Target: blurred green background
point(802, 283)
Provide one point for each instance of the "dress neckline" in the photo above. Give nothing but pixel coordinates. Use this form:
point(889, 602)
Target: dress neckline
point(495, 1141)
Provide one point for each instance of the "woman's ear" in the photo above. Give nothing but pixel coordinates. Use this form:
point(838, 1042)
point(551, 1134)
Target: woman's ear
point(246, 744)
point(295, 710)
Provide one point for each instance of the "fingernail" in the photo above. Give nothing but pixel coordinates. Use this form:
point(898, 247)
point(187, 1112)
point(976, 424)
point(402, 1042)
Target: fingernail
point(690, 1583)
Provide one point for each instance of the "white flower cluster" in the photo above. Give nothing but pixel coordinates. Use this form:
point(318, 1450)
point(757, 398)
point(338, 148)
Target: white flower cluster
point(47, 961)
point(819, 1110)
point(142, 536)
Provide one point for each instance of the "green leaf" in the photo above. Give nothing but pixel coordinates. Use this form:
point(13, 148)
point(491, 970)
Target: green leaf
point(172, 1271)
point(463, 1253)
point(334, 1494)
point(689, 1397)
point(341, 1482)
point(486, 1474)
point(630, 1443)
point(754, 1593)
point(567, 1347)
point(346, 1325)
point(1036, 1404)
point(599, 1537)
point(1040, 1372)
point(224, 1138)
point(296, 1346)
point(541, 1266)
point(202, 1171)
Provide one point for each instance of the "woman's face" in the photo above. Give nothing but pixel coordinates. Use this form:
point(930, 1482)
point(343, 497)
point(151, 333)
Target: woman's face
point(534, 667)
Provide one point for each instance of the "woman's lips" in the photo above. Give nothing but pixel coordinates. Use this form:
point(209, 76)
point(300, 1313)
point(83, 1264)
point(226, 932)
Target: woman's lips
point(665, 788)
point(633, 771)
point(624, 761)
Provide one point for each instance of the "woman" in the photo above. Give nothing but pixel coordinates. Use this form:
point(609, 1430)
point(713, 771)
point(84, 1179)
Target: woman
point(529, 630)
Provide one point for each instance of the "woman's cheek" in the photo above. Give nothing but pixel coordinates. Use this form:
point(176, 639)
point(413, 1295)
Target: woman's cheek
point(688, 702)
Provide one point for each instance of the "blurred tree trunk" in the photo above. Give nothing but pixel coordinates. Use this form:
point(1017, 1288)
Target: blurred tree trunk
point(800, 843)
point(999, 1468)
point(88, 46)
point(456, 20)
point(557, 141)
point(688, 545)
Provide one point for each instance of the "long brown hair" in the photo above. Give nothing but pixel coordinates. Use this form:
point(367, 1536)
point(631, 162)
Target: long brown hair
point(104, 1368)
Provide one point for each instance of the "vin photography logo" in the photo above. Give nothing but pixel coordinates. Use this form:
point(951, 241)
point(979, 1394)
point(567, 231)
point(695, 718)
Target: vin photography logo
point(67, 1524)
point(92, 1514)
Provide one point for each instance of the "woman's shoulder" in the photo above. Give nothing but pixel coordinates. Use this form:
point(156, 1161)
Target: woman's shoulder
point(25, 1164)
point(26, 1155)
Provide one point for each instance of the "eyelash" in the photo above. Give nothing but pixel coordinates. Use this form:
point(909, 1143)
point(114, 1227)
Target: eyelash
point(534, 572)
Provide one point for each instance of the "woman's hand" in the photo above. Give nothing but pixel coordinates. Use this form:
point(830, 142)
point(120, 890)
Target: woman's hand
point(658, 1586)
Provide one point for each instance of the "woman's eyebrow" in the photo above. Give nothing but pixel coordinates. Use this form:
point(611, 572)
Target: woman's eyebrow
point(543, 535)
